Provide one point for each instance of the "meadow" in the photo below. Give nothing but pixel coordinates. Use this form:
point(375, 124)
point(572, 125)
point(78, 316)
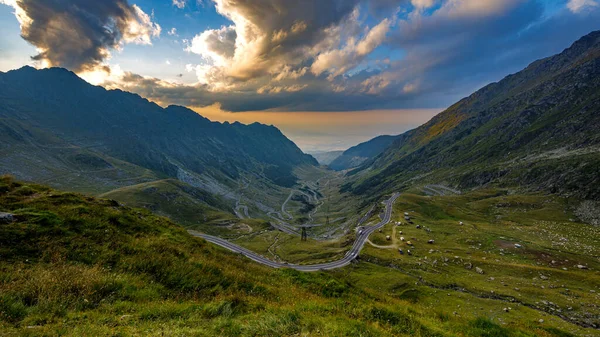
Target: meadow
point(75, 265)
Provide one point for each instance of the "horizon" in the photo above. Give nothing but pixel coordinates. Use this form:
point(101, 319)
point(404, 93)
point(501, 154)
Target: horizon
point(327, 81)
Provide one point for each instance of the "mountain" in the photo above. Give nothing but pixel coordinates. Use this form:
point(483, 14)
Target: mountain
point(357, 155)
point(325, 158)
point(534, 130)
point(57, 129)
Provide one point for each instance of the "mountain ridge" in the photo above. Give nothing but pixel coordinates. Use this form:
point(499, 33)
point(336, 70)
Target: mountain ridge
point(361, 153)
point(57, 129)
point(490, 137)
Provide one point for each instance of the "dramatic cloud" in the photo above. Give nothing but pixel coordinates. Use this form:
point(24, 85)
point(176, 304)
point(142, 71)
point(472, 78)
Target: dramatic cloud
point(267, 37)
point(465, 44)
point(79, 34)
point(305, 55)
point(338, 61)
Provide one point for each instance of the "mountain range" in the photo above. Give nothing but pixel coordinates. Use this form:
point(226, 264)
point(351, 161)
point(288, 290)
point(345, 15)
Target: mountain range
point(57, 129)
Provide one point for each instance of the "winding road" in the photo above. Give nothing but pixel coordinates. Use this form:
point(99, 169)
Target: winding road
point(346, 260)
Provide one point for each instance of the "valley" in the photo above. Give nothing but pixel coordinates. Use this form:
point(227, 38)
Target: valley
point(121, 215)
point(521, 261)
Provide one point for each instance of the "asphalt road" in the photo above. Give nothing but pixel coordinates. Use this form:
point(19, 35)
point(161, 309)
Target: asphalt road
point(346, 260)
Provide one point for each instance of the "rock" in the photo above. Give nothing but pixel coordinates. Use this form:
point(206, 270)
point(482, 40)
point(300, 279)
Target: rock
point(431, 242)
point(6, 217)
point(580, 266)
point(544, 277)
point(479, 270)
point(518, 245)
point(469, 266)
point(541, 320)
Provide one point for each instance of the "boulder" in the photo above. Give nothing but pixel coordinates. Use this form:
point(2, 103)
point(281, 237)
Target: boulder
point(6, 217)
point(479, 270)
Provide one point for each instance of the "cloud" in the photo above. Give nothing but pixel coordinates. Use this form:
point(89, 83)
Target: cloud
point(80, 34)
point(216, 45)
point(314, 54)
point(439, 56)
point(464, 45)
point(576, 6)
point(423, 3)
point(476, 8)
point(338, 61)
point(179, 3)
point(266, 37)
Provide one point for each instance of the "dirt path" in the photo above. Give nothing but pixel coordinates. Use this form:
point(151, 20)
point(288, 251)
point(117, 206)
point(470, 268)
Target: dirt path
point(394, 244)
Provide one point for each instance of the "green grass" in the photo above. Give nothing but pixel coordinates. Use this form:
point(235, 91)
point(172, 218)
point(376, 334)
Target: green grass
point(74, 265)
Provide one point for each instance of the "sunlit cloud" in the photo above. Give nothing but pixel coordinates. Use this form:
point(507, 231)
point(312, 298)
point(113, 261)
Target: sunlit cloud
point(80, 35)
point(310, 55)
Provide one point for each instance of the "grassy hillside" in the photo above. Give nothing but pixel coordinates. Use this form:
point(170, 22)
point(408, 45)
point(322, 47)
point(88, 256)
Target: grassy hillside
point(74, 265)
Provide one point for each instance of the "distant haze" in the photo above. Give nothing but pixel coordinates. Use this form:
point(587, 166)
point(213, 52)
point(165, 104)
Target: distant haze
point(329, 131)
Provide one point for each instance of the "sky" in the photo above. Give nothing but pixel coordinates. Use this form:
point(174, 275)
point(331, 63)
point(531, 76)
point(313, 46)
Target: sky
point(328, 73)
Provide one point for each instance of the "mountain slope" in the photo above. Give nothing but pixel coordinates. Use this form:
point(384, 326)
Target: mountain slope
point(57, 129)
point(362, 152)
point(537, 129)
point(130, 128)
